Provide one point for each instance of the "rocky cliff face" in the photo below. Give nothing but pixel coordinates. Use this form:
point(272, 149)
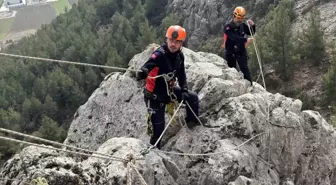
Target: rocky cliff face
point(328, 16)
point(293, 146)
point(203, 18)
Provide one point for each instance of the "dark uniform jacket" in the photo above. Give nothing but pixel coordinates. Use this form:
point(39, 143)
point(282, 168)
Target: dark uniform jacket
point(234, 37)
point(161, 62)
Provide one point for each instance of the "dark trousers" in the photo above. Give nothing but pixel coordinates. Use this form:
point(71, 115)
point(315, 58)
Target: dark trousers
point(157, 116)
point(242, 62)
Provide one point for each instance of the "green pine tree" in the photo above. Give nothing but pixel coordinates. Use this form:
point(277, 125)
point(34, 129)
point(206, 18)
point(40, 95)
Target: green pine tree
point(50, 130)
point(155, 11)
point(311, 45)
point(330, 83)
point(147, 35)
point(213, 46)
point(274, 40)
point(50, 107)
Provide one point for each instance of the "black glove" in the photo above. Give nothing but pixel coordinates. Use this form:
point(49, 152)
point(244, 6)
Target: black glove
point(185, 95)
point(142, 74)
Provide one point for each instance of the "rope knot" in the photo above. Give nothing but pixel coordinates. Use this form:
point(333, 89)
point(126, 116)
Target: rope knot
point(129, 159)
point(146, 150)
point(169, 76)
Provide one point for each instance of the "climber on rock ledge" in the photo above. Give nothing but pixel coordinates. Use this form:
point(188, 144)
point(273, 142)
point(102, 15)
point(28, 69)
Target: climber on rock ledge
point(167, 59)
point(235, 41)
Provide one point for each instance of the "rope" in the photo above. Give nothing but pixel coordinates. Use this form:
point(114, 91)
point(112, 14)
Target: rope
point(72, 152)
point(257, 79)
point(195, 114)
point(139, 174)
point(129, 174)
point(58, 149)
point(262, 76)
point(209, 154)
point(67, 62)
point(258, 56)
point(146, 150)
point(170, 121)
point(82, 64)
point(56, 143)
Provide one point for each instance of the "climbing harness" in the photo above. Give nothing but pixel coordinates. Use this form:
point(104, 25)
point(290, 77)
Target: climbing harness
point(170, 84)
point(168, 79)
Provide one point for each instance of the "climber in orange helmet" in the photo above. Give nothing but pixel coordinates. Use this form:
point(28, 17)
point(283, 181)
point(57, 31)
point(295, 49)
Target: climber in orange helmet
point(167, 59)
point(235, 40)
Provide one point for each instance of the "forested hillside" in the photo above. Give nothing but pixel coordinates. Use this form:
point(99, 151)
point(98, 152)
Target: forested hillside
point(41, 98)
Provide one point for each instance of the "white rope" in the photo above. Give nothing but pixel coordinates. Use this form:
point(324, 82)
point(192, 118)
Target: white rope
point(195, 114)
point(209, 154)
point(78, 63)
point(171, 120)
point(137, 171)
point(129, 174)
point(257, 53)
point(67, 62)
point(56, 143)
point(72, 152)
point(59, 149)
point(256, 81)
point(262, 76)
point(184, 122)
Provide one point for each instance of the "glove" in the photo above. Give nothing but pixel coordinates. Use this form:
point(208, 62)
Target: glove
point(142, 74)
point(249, 40)
point(185, 95)
point(250, 22)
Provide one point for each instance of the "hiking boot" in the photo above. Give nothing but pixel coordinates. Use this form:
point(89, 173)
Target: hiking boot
point(191, 124)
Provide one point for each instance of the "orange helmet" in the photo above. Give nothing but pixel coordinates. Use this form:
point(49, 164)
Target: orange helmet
point(239, 12)
point(176, 32)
